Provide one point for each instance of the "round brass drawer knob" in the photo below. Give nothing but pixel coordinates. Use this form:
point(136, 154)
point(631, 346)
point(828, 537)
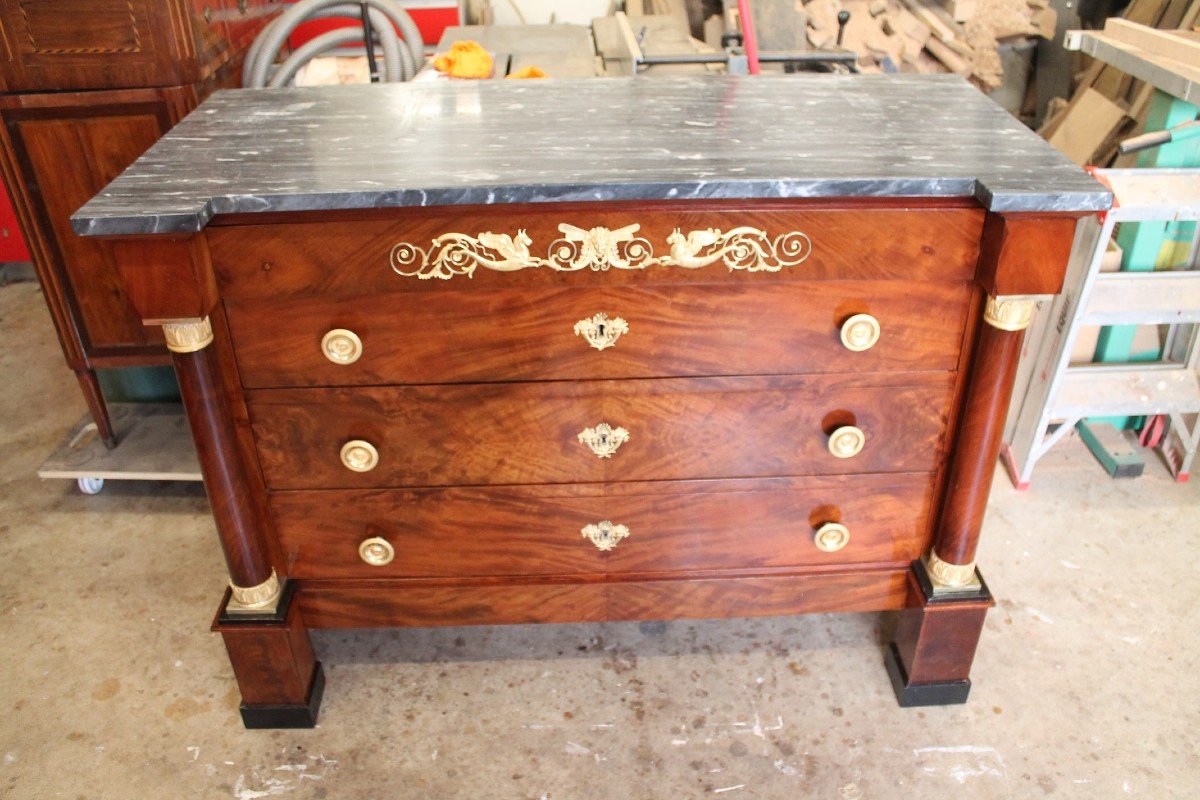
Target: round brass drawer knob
point(376, 552)
point(342, 346)
point(846, 442)
point(860, 332)
point(831, 537)
point(359, 456)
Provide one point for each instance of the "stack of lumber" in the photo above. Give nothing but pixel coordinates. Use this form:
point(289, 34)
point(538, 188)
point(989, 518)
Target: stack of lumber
point(959, 36)
point(1108, 105)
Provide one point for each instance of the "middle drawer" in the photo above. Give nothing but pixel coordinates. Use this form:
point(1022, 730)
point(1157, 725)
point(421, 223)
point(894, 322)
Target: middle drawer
point(540, 433)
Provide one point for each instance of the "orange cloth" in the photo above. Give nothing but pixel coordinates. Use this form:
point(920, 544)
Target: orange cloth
point(466, 59)
point(527, 72)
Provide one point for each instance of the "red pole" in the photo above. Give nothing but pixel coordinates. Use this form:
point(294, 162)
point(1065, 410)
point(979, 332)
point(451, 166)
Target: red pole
point(748, 37)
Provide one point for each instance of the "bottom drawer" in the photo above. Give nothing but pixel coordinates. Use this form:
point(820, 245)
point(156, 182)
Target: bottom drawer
point(666, 527)
point(391, 603)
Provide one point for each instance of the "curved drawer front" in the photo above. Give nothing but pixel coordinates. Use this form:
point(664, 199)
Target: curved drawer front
point(776, 328)
point(672, 527)
point(535, 433)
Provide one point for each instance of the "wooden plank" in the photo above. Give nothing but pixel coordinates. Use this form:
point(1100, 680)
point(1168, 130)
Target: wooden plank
point(1085, 127)
point(931, 20)
point(1174, 45)
point(952, 61)
point(1108, 81)
point(1172, 15)
point(960, 10)
point(1086, 80)
point(1145, 12)
point(1190, 16)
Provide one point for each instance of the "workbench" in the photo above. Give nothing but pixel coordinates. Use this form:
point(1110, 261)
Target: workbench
point(471, 353)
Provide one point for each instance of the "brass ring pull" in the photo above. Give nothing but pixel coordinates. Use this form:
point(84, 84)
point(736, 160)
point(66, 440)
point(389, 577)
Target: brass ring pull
point(860, 332)
point(603, 440)
point(601, 332)
point(341, 346)
point(359, 456)
point(376, 551)
point(605, 535)
point(831, 537)
point(846, 442)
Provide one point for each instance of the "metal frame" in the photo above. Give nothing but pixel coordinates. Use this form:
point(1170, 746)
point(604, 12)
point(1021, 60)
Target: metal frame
point(1058, 392)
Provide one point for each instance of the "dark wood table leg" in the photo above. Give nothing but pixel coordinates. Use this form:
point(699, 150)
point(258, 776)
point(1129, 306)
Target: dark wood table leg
point(931, 653)
point(268, 644)
point(97, 407)
point(280, 679)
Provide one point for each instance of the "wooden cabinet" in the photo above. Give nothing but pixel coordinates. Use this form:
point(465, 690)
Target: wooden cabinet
point(122, 44)
point(87, 88)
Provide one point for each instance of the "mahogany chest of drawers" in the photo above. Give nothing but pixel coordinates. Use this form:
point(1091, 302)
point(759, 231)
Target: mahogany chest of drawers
point(464, 412)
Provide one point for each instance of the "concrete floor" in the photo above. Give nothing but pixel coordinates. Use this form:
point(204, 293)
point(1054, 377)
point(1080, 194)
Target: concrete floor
point(1087, 682)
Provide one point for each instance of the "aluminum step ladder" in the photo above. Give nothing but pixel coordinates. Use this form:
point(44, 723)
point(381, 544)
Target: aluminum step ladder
point(1058, 394)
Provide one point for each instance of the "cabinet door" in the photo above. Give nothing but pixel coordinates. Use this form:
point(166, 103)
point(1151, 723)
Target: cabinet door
point(64, 149)
point(93, 44)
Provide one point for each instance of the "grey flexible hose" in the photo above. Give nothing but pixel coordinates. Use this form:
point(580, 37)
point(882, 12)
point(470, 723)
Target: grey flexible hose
point(410, 35)
point(261, 58)
point(328, 41)
point(268, 43)
point(384, 33)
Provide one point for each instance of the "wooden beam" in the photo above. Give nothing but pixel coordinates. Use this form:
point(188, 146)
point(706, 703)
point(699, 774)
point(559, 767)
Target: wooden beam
point(1174, 45)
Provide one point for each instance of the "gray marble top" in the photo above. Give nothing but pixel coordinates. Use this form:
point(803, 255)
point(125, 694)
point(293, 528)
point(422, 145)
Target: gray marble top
point(475, 142)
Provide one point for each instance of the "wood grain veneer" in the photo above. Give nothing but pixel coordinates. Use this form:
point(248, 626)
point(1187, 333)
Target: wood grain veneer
point(685, 526)
point(380, 603)
point(337, 259)
point(780, 327)
point(685, 428)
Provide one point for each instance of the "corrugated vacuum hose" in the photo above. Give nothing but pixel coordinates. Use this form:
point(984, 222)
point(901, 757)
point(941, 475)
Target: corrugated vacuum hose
point(400, 52)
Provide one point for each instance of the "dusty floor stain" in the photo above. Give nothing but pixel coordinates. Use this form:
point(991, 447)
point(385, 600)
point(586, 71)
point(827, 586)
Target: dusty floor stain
point(185, 707)
point(107, 689)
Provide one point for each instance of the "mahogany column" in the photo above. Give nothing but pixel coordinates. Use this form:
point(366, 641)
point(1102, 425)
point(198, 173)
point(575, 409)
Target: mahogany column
point(280, 680)
point(237, 514)
point(951, 563)
point(929, 658)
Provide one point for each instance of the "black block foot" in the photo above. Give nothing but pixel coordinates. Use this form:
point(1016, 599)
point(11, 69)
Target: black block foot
point(298, 716)
point(909, 695)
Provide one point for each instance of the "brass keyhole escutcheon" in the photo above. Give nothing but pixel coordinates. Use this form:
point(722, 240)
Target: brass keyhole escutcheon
point(860, 332)
point(846, 442)
point(359, 456)
point(376, 551)
point(831, 537)
point(603, 440)
point(601, 332)
point(342, 346)
point(605, 535)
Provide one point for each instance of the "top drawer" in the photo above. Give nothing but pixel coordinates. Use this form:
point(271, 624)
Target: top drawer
point(554, 246)
point(439, 296)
